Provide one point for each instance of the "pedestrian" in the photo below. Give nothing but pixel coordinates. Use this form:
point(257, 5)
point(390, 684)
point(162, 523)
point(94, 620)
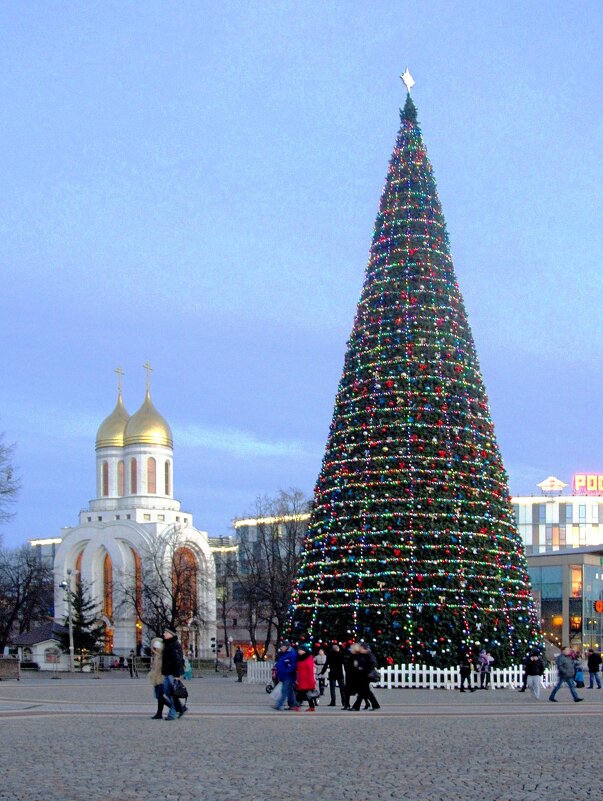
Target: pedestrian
point(172, 664)
point(334, 665)
point(593, 662)
point(239, 663)
point(351, 672)
point(285, 668)
point(534, 668)
point(524, 678)
point(465, 668)
point(156, 677)
point(366, 664)
point(132, 664)
point(566, 672)
point(578, 668)
point(305, 679)
point(320, 661)
point(484, 665)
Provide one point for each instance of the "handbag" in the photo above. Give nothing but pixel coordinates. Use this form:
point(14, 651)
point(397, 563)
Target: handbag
point(179, 689)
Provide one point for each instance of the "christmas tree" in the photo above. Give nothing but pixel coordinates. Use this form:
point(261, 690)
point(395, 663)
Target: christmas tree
point(412, 545)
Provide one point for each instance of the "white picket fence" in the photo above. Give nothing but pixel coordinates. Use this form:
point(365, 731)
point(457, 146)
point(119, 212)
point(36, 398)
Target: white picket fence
point(420, 676)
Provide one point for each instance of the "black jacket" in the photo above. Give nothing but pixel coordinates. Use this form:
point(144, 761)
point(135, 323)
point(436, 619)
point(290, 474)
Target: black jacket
point(534, 667)
point(172, 659)
point(334, 665)
point(594, 663)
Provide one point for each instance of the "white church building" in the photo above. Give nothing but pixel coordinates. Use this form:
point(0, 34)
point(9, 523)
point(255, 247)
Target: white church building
point(133, 520)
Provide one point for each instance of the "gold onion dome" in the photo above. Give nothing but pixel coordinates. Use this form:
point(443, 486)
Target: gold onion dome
point(147, 427)
point(111, 431)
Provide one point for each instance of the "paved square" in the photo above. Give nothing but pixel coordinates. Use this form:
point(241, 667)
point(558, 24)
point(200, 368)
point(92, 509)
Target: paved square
point(78, 739)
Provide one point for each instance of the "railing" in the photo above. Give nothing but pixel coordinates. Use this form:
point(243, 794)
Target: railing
point(420, 676)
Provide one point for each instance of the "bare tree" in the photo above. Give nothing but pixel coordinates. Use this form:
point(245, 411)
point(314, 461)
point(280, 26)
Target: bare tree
point(165, 587)
point(269, 558)
point(26, 587)
point(9, 483)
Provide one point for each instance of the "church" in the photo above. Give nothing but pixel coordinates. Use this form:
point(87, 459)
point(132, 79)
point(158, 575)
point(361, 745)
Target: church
point(135, 551)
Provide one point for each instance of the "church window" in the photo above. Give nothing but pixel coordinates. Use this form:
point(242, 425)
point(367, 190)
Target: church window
point(121, 482)
point(105, 479)
point(168, 483)
point(100, 519)
point(108, 587)
point(146, 517)
point(184, 581)
point(138, 594)
point(151, 475)
point(128, 517)
point(90, 520)
point(117, 517)
point(133, 477)
point(161, 518)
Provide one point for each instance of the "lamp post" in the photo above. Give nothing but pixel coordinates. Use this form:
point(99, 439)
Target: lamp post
point(230, 653)
point(67, 586)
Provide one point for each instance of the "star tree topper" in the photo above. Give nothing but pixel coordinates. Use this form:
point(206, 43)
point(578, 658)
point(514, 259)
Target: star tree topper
point(407, 80)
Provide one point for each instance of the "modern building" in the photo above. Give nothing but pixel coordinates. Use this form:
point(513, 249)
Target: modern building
point(568, 592)
point(560, 517)
point(134, 520)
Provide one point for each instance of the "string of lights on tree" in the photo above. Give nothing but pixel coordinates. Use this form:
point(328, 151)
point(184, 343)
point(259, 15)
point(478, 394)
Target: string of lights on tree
point(412, 544)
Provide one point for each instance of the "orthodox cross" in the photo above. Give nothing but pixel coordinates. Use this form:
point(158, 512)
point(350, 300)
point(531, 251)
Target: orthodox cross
point(149, 369)
point(119, 372)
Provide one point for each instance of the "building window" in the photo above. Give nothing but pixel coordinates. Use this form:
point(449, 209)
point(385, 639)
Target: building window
point(161, 518)
point(105, 479)
point(146, 517)
point(100, 519)
point(184, 581)
point(90, 520)
point(234, 621)
point(108, 587)
point(542, 513)
point(582, 512)
point(576, 579)
point(133, 477)
point(595, 513)
point(128, 517)
point(121, 478)
point(151, 475)
point(117, 517)
point(569, 513)
point(177, 519)
point(168, 483)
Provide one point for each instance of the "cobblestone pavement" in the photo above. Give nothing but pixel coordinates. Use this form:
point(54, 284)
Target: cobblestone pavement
point(83, 740)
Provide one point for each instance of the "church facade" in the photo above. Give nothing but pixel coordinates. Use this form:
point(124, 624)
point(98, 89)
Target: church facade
point(134, 550)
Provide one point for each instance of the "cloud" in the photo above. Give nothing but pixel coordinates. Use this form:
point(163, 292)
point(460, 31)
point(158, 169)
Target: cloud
point(237, 443)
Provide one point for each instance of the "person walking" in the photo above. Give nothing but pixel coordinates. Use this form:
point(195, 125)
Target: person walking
point(172, 665)
point(484, 666)
point(534, 668)
point(366, 664)
point(305, 676)
point(593, 663)
point(239, 663)
point(132, 664)
point(465, 668)
point(156, 677)
point(566, 671)
point(320, 661)
point(285, 668)
point(334, 665)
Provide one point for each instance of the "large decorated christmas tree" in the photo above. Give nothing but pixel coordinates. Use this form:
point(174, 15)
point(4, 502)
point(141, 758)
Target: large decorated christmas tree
point(412, 545)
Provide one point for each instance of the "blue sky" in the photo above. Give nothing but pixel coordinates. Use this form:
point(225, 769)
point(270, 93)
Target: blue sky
point(196, 184)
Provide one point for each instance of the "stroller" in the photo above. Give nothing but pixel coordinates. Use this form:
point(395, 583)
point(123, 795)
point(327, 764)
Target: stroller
point(272, 683)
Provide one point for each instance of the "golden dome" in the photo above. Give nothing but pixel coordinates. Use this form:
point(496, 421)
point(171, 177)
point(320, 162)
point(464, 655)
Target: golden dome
point(111, 431)
point(147, 427)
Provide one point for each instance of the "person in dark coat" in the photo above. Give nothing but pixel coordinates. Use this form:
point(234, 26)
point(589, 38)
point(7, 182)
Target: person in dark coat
point(366, 664)
point(172, 667)
point(285, 668)
point(239, 663)
point(465, 668)
point(334, 666)
point(566, 671)
point(593, 662)
point(534, 668)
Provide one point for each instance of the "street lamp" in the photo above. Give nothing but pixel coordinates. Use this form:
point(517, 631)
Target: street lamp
point(66, 585)
point(230, 653)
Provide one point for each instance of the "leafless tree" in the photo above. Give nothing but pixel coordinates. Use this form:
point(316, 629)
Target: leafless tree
point(269, 558)
point(164, 588)
point(9, 483)
point(26, 591)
